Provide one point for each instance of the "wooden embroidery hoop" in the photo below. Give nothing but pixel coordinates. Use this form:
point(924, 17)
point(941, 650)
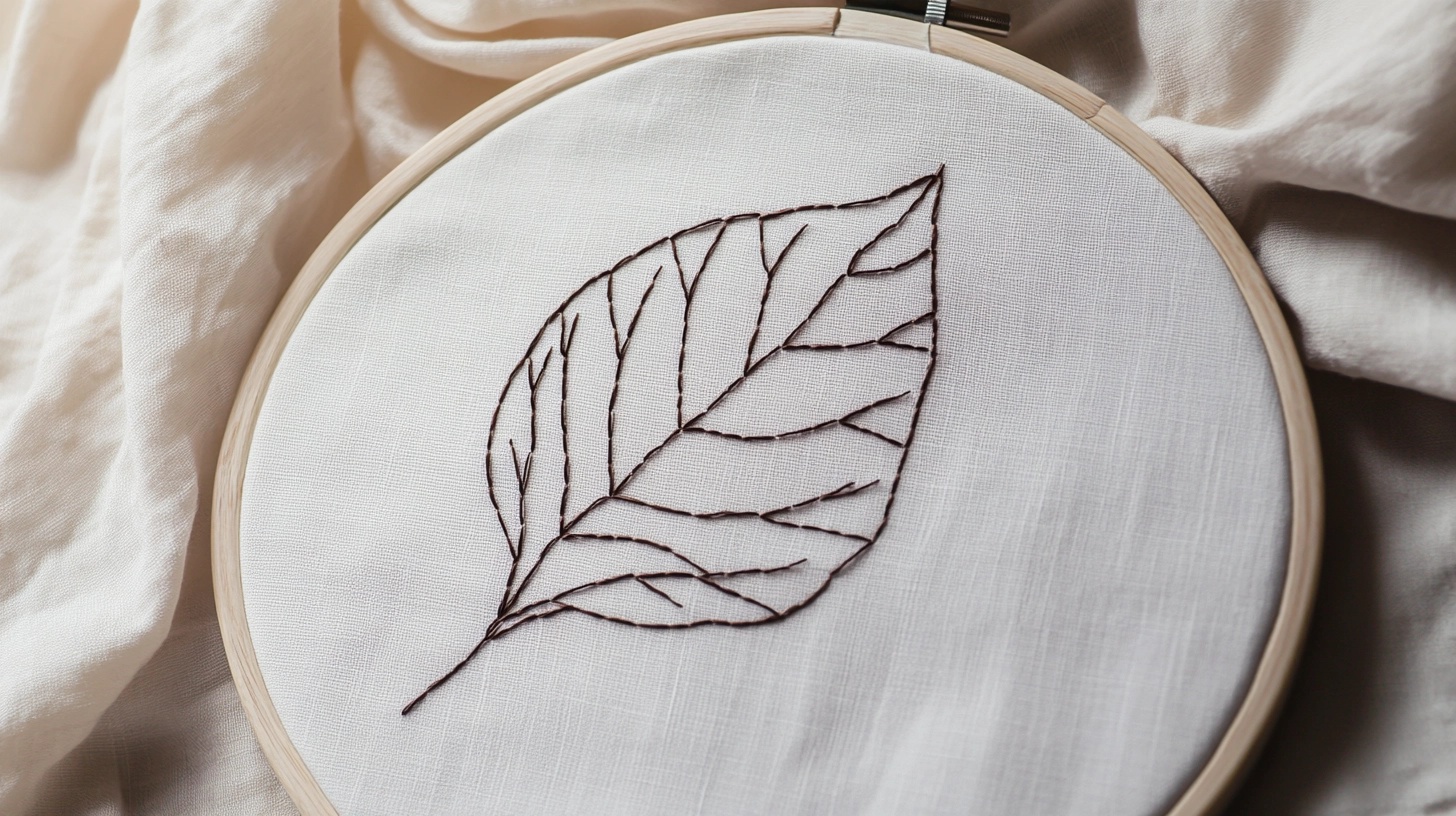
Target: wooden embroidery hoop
point(1215, 782)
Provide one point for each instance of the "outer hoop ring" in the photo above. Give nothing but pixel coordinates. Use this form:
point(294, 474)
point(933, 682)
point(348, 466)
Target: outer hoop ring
point(1216, 780)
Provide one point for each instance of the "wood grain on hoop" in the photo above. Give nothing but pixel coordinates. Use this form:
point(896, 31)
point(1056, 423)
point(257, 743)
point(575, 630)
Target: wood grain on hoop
point(864, 25)
point(1215, 781)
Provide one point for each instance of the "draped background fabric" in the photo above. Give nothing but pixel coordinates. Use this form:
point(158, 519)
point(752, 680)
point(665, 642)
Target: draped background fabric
point(166, 167)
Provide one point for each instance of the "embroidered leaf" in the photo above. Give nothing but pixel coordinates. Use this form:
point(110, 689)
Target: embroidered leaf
point(714, 428)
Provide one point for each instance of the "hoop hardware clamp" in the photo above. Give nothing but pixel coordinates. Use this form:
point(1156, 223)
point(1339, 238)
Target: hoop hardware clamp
point(948, 13)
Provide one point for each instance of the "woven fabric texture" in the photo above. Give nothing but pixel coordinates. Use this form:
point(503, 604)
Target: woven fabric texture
point(1074, 582)
point(167, 166)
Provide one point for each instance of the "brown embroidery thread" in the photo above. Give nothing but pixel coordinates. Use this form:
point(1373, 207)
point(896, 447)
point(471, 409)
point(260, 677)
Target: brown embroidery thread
point(529, 376)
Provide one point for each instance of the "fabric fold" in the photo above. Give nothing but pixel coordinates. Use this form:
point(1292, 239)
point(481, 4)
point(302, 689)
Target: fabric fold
point(166, 167)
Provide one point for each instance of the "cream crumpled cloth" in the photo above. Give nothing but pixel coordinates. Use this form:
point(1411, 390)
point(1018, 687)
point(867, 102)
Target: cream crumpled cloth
point(167, 166)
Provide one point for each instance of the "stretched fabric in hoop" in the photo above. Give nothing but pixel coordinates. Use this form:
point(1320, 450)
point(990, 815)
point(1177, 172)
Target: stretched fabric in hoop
point(1072, 587)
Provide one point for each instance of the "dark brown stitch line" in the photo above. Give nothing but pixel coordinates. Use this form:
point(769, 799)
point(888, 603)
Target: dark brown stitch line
point(520, 483)
point(801, 431)
point(497, 628)
point(689, 292)
point(850, 346)
point(833, 287)
point(505, 623)
point(531, 573)
point(708, 256)
point(929, 365)
point(636, 469)
point(526, 365)
point(611, 307)
point(876, 434)
point(854, 259)
point(928, 181)
point(682, 280)
point(715, 515)
point(783, 253)
point(637, 315)
point(500, 515)
point(565, 346)
point(906, 346)
point(686, 625)
point(670, 599)
point(849, 423)
point(762, 301)
point(682, 347)
point(757, 570)
point(722, 514)
point(833, 573)
point(732, 388)
point(533, 383)
point(886, 341)
point(616, 375)
point(816, 529)
point(900, 222)
point(616, 349)
point(853, 204)
point(696, 566)
point(500, 627)
point(503, 626)
point(620, 347)
point(559, 599)
point(516, 462)
point(533, 380)
point(922, 255)
point(854, 557)
point(611, 426)
point(635, 540)
point(915, 415)
point(520, 486)
point(769, 272)
point(510, 621)
point(848, 205)
point(843, 491)
point(444, 678)
point(723, 226)
point(907, 324)
point(730, 591)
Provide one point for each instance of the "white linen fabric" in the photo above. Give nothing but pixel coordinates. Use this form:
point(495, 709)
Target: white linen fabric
point(166, 167)
point(1088, 539)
